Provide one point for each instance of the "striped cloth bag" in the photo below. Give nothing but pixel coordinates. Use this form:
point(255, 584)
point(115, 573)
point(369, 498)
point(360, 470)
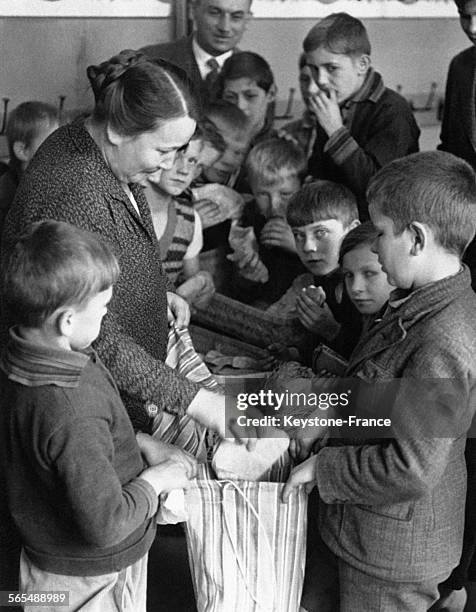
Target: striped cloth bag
point(184, 431)
point(246, 548)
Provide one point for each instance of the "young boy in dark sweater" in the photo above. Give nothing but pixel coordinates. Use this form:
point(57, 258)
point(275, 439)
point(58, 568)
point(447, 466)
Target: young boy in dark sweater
point(76, 486)
point(361, 125)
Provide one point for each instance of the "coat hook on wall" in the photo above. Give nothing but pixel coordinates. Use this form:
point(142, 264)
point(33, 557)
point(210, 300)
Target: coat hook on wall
point(60, 108)
point(289, 106)
point(5, 114)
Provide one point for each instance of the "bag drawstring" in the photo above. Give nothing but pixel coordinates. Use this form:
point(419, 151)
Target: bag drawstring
point(227, 483)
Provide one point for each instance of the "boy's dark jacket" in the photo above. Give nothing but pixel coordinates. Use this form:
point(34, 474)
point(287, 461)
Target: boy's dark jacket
point(458, 128)
point(395, 508)
point(379, 128)
point(70, 462)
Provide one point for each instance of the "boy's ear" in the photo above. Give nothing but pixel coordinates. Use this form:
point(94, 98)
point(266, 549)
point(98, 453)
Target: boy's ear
point(419, 233)
point(353, 225)
point(363, 64)
point(272, 91)
point(21, 151)
point(64, 322)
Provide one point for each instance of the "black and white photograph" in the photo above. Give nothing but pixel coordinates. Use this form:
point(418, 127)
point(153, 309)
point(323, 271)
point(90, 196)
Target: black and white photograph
point(237, 306)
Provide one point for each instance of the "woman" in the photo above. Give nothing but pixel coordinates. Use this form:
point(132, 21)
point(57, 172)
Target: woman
point(90, 174)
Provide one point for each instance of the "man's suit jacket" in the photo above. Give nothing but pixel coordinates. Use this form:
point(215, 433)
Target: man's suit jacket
point(180, 53)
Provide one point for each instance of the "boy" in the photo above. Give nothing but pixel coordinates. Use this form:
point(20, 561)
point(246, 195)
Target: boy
point(392, 509)
point(178, 226)
point(29, 124)
point(275, 170)
point(214, 198)
point(303, 130)
point(247, 81)
point(76, 486)
point(458, 133)
point(360, 124)
point(320, 215)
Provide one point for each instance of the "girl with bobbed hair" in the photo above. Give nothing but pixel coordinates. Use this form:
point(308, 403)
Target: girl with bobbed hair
point(90, 174)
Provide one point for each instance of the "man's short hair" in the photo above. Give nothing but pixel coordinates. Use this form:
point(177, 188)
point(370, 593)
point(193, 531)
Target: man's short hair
point(229, 115)
point(248, 65)
point(54, 265)
point(339, 33)
point(434, 188)
point(322, 201)
point(269, 159)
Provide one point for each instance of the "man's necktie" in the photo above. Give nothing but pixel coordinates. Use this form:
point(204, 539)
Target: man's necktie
point(212, 78)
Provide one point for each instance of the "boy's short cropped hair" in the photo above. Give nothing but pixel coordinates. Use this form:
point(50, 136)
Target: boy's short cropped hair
point(22, 124)
point(321, 201)
point(247, 65)
point(434, 188)
point(339, 33)
point(206, 131)
point(364, 234)
point(270, 159)
point(227, 114)
point(55, 264)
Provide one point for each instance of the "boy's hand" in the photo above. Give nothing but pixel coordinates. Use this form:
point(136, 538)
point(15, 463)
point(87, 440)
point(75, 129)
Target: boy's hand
point(155, 451)
point(209, 213)
point(168, 475)
point(278, 353)
point(203, 297)
point(178, 311)
point(308, 305)
point(325, 107)
point(277, 233)
point(302, 474)
point(198, 289)
point(250, 266)
point(229, 202)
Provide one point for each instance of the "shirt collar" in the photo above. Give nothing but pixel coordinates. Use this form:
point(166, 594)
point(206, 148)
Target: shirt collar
point(202, 57)
point(441, 290)
point(371, 89)
point(35, 365)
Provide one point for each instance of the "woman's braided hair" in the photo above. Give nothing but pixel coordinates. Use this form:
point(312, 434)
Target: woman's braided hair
point(134, 94)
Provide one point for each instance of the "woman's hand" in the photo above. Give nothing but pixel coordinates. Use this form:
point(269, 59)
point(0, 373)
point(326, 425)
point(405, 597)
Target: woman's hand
point(178, 311)
point(221, 414)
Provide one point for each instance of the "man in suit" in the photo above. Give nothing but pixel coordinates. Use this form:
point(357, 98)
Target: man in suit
point(218, 28)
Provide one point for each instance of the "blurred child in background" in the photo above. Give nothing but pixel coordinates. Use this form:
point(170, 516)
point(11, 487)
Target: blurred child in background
point(177, 225)
point(28, 125)
point(275, 170)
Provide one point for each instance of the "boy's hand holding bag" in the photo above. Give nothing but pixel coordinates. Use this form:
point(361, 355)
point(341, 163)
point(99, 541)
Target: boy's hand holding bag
point(247, 548)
